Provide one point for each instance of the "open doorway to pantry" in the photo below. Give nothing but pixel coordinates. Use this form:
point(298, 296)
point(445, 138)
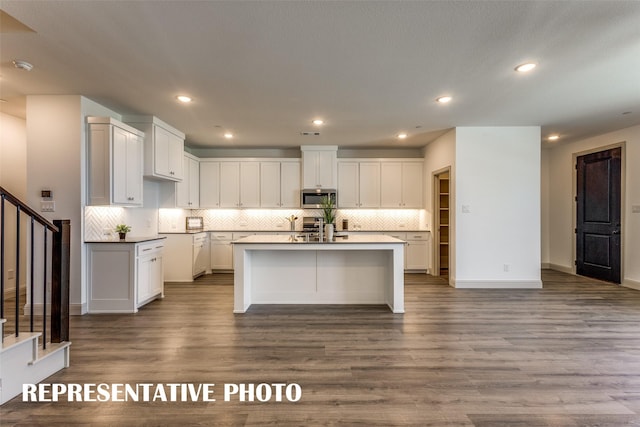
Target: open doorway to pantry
point(441, 221)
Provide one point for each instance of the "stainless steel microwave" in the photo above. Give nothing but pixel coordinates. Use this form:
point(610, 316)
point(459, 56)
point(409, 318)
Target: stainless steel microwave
point(312, 198)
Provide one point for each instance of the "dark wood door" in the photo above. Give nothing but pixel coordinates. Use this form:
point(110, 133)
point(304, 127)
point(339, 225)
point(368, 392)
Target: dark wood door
point(598, 208)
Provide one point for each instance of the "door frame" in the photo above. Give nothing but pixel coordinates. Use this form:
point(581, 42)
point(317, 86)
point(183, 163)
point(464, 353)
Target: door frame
point(435, 238)
point(623, 197)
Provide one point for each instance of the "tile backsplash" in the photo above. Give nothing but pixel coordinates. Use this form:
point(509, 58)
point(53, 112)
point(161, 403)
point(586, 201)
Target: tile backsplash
point(173, 220)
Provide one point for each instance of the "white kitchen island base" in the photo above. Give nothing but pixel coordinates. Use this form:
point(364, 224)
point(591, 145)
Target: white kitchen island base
point(357, 270)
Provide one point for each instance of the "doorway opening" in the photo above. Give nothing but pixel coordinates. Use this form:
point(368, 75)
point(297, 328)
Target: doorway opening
point(598, 215)
point(441, 222)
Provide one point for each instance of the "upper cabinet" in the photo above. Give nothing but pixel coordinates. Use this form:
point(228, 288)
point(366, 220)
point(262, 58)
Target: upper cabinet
point(163, 148)
point(114, 165)
point(235, 183)
point(188, 190)
point(280, 184)
point(359, 184)
point(401, 184)
point(319, 166)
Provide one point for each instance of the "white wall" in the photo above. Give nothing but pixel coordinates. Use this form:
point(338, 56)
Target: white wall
point(13, 178)
point(438, 155)
point(544, 206)
point(498, 182)
point(561, 199)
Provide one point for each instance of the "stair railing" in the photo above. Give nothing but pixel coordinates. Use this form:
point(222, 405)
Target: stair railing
point(59, 254)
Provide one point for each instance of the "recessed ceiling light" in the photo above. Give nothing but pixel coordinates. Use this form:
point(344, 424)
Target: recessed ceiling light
point(228, 135)
point(553, 137)
point(184, 98)
point(527, 66)
point(402, 135)
point(318, 122)
point(22, 65)
point(444, 99)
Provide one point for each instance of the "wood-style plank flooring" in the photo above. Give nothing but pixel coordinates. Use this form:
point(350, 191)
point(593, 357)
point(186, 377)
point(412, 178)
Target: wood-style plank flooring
point(564, 355)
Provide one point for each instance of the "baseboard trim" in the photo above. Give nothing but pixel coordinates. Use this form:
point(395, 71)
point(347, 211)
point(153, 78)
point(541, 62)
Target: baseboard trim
point(74, 309)
point(561, 268)
point(633, 284)
point(498, 284)
point(545, 266)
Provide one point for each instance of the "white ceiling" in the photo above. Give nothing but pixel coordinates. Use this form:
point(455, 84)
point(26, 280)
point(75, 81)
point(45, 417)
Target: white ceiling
point(264, 69)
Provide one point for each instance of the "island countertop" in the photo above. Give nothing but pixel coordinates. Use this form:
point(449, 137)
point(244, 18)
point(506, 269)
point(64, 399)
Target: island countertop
point(348, 239)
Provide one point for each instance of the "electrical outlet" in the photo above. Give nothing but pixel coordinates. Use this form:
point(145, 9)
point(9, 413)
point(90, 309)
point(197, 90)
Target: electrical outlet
point(402, 225)
point(635, 209)
point(505, 267)
point(11, 274)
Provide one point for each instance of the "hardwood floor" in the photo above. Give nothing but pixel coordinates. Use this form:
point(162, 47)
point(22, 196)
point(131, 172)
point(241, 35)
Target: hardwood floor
point(564, 355)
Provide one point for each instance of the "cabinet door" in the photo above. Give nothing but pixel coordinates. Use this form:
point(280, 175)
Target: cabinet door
point(249, 184)
point(194, 183)
point(391, 184)
point(210, 184)
point(135, 146)
point(182, 188)
point(143, 279)
point(156, 276)
point(416, 255)
point(327, 172)
point(161, 153)
point(348, 185)
point(221, 255)
point(369, 181)
point(187, 190)
point(176, 150)
point(119, 166)
point(270, 185)
point(412, 185)
point(290, 184)
point(310, 169)
point(229, 184)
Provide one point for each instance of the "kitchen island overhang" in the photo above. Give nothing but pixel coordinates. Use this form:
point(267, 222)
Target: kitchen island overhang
point(353, 270)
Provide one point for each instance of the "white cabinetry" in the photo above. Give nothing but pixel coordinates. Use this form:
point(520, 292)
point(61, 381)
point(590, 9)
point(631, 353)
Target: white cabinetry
point(417, 251)
point(163, 148)
point(239, 184)
point(221, 250)
point(122, 276)
point(188, 190)
point(401, 184)
point(209, 184)
point(358, 184)
point(319, 166)
point(249, 183)
point(280, 184)
point(149, 280)
point(114, 163)
point(186, 256)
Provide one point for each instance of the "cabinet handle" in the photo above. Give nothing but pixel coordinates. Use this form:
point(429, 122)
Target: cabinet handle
point(145, 250)
point(130, 198)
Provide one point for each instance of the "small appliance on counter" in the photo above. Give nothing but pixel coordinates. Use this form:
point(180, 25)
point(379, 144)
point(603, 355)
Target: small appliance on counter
point(194, 223)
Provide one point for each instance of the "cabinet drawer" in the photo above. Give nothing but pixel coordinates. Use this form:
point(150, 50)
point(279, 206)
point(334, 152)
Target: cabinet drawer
point(401, 236)
point(220, 236)
point(237, 236)
point(417, 236)
point(199, 238)
point(149, 248)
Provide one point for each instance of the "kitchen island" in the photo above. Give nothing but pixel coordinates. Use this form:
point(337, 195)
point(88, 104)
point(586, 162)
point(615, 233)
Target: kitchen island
point(351, 270)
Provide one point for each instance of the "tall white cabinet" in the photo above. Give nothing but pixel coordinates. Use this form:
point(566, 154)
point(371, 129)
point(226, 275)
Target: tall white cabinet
point(188, 190)
point(114, 166)
point(280, 184)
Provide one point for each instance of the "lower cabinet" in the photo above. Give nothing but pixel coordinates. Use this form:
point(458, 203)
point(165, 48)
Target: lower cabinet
point(187, 256)
point(123, 276)
point(221, 250)
point(416, 251)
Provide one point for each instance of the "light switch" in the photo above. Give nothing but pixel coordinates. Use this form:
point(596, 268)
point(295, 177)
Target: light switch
point(47, 206)
point(635, 209)
point(466, 209)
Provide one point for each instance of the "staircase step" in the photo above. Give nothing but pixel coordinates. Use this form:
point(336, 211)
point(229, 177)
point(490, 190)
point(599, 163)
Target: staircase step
point(52, 348)
point(13, 341)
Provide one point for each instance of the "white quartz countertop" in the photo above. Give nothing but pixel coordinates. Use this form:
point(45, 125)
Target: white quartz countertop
point(283, 239)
